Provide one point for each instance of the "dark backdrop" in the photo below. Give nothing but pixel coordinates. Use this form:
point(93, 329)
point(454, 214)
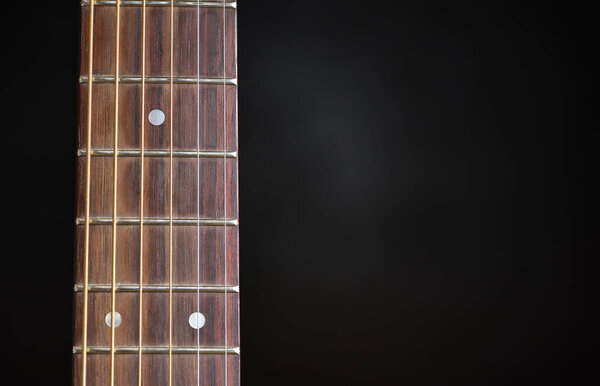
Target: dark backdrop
point(411, 191)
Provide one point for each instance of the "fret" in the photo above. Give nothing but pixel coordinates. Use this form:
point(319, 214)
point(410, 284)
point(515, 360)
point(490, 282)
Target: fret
point(158, 80)
point(189, 175)
point(162, 350)
point(159, 221)
point(156, 312)
point(161, 3)
point(214, 105)
point(158, 153)
point(158, 47)
point(186, 371)
point(186, 255)
point(158, 288)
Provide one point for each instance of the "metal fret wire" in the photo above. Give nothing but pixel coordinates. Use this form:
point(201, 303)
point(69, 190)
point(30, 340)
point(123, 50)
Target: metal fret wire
point(159, 221)
point(156, 288)
point(171, 208)
point(133, 79)
point(161, 350)
point(162, 3)
point(114, 224)
point(101, 152)
point(87, 200)
point(225, 184)
point(143, 121)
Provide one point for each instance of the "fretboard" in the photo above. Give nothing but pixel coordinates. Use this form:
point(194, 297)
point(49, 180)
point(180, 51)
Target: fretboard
point(157, 203)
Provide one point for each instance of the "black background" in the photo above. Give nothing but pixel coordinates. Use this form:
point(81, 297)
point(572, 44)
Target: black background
point(412, 202)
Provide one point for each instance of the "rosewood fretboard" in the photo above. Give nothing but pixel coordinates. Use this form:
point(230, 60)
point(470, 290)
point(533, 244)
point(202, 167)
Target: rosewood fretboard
point(157, 241)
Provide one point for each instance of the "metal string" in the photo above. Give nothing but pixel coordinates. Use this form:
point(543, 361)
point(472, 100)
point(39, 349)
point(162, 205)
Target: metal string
point(87, 199)
point(114, 216)
point(198, 186)
point(171, 207)
point(225, 184)
point(142, 139)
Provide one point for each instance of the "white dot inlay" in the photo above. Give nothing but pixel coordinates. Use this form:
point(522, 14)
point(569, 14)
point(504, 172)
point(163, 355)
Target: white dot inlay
point(197, 320)
point(156, 117)
point(118, 319)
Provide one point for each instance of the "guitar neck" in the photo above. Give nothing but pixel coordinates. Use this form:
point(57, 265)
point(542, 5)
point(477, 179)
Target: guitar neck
point(157, 202)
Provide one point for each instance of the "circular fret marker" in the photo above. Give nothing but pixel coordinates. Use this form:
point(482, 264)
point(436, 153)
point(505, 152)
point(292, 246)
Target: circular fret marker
point(156, 117)
point(197, 320)
point(118, 319)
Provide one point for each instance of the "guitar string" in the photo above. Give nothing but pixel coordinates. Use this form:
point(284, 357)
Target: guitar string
point(142, 139)
point(88, 160)
point(171, 207)
point(198, 188)
point(114, 217)
point(225, 187)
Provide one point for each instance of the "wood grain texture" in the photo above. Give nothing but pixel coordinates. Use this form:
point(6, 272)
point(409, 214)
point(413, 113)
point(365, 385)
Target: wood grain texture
point(158, 44)
point(185, 116)
point(204, 256)
point(185, 366)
